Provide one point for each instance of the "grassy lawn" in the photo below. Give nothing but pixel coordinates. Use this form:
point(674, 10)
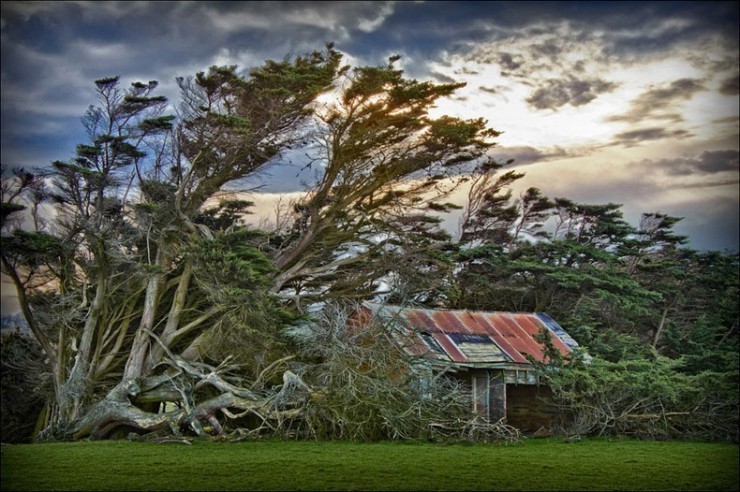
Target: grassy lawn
point(273, 465)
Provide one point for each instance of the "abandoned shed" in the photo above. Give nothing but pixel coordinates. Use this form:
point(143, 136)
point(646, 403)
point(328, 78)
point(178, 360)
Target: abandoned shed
point(486, 351)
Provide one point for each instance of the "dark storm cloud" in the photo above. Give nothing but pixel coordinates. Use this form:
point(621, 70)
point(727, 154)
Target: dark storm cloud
point(718, 161)
point(440, 77)
point(509, 61)
point(53, 51)
point(708, 162)
point(524, 154)
point(730, 86)
point(549, 48)
point(168, 33)
point(636, 137)
point(467, 71)
point(653, 103)
point(727, 119)
point(558, 92)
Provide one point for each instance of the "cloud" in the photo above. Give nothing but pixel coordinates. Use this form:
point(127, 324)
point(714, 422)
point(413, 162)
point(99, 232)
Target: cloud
point(52, 53)
point(708, 162)
point(550, 48)
point(374, 21)
point(718, 161)
point(730, 86)
point(726, 119)
point(557, 77)
point(509, 61)
point(523, 155)
point(338, 18)
point(442, 77)
point(636, 137)
point(496, 89)
point(653, 103)
point(562, 63)
point(557, 93)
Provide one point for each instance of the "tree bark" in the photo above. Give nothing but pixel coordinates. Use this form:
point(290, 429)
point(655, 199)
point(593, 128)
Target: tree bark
point(661, 325)
point(117, 410)
point(173, 318)
point(135, 365)
point(76, 386)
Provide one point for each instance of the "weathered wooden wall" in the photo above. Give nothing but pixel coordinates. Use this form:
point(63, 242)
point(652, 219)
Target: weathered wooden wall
point(526, 409)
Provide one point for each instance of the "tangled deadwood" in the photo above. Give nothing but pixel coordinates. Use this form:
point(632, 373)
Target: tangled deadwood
point(192, 397)
point(371, 389)
point(353, 382)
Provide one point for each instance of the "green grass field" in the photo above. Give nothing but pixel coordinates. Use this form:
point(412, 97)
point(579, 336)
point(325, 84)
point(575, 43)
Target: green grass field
point(273, 465)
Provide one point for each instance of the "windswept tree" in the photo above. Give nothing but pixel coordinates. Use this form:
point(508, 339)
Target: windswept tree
point(385, 164)
point(121, 263)
point(90, 244)
point(149, 287)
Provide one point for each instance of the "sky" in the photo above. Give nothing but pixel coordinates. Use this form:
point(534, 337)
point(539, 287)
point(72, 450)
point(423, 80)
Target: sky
point(626, 102)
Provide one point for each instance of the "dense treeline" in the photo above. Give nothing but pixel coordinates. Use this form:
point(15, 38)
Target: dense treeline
point(146, 291)
point(659, 320)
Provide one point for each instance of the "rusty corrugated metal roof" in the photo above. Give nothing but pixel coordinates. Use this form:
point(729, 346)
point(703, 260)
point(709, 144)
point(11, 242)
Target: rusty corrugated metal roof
point(475, 337)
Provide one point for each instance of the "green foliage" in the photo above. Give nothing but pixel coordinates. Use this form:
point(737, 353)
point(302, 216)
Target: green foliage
point(386, 162)
point(232, 275)
point(32, 248)
point(626, 294)
point(156, 192)
point(229, 268)
point(248, 332)
point(25, 386)
point(6, 209)
point(157, 124)
point(646, 398)
point(234, 125)
point(226, 214)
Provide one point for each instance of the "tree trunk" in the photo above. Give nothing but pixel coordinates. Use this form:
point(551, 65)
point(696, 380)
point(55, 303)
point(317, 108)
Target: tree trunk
point(76, 387)
point(117, 410)
point(173, 318)
point(135, 365)
point(659, 329)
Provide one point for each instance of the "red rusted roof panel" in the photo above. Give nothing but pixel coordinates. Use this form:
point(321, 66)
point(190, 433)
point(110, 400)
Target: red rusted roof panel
point(419, 320)
point(471, 321)
point(532, 326)
point(415, 346)
point(513, 333)
point(503, 337)
point(523, 341)
point(450, 347)
point(448, 321)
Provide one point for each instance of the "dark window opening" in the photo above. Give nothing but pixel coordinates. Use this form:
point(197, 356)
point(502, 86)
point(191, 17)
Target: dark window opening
point(459, 338)
point(431, 342)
